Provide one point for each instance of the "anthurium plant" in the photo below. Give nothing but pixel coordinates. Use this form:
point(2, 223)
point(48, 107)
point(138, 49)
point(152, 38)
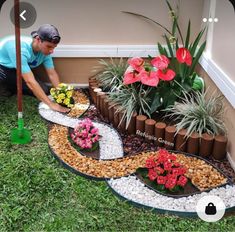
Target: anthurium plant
point(171, 72)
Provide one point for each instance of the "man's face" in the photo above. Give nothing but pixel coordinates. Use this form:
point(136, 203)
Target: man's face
point(46, 47)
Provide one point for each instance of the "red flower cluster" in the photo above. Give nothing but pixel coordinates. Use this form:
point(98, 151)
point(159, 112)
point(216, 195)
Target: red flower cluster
point(164, 169)
point(151, 74)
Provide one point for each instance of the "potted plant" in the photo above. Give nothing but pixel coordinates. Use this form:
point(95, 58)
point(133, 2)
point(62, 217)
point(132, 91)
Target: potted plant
point(200, 113)
point(85, 136)
point(63, 95)
point(163, 173)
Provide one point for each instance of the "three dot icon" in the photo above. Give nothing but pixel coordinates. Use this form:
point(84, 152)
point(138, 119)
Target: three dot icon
point(210, 20)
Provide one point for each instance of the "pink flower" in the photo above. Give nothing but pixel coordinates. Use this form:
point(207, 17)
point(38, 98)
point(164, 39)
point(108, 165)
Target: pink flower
point(94, 130)
point(183, 56)
point(149, 78)
point(168, 75)
point(130, 77)
point(161, 62)
point(136, 63)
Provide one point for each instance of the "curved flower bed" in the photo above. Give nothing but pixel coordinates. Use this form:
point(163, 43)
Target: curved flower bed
point(120, 172)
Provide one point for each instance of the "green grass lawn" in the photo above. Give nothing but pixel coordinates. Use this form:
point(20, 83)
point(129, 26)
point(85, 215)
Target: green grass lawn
point(37, 194)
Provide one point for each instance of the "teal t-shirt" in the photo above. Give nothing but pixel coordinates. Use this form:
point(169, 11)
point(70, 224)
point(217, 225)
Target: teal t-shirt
point(29, 59)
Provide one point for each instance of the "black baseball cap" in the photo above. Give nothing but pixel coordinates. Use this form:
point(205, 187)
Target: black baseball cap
point(47, 32)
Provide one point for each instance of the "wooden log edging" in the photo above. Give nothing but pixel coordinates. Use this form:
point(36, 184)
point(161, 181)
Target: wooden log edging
point(158, 132)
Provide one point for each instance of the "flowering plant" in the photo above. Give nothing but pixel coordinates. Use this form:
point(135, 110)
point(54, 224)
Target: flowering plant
point(85, 135)
point(63, 95)
point(151, 74)
point(166, 172)
point(162, 79)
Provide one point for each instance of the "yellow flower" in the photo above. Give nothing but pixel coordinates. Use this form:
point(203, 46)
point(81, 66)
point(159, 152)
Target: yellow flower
point(62, 85)
point(59, 100)
point(69, 93)
point(62, 96)
point(52, 91)
point(66, 101)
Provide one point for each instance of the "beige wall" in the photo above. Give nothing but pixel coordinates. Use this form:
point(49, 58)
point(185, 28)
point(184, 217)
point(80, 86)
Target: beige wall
point(223, 46)
point(102, 22)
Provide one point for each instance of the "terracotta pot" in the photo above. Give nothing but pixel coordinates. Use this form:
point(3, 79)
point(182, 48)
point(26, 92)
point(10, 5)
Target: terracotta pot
point(193, 144)
point(140, 119)
point(159, 132)
point(149, 130)
point(170, 137)
point(219, 148)
point(181, 142)
point(206, 145)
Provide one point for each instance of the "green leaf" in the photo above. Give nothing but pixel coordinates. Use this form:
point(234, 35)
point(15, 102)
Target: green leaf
point(188, 35)
point(197, 57)
point(169, 46)
point(156, 103)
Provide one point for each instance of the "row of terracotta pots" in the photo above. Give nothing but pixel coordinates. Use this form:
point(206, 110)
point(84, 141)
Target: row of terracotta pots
point(158, 132)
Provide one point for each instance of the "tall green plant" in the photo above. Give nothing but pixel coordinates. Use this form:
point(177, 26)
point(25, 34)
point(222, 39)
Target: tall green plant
point(132, 98)
point(110, 73)
point(198, 112)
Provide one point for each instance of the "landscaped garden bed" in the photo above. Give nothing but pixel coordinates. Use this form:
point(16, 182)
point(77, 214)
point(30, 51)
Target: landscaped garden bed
point(122, 154)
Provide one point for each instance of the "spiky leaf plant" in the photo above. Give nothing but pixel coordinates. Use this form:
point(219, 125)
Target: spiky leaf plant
point(198, 112)
point(110, 73)
point(132, 98)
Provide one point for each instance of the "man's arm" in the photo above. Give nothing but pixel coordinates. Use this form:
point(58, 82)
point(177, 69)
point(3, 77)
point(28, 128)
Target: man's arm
point(53, 76)
point(39, 93)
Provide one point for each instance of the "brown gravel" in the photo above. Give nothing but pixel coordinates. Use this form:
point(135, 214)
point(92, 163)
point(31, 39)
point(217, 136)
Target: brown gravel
point(97, 168)
point(202, 175)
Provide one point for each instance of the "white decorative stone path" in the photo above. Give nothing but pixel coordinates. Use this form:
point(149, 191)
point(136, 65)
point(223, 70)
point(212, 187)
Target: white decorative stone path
point(110, 143)
point(132, 189)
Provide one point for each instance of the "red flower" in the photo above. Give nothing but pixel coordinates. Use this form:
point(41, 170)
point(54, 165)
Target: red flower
point(161, 179)
point(149, 78)
point(150, 163)
point(130, 77)
point(171, 183)
point(183, 56)
point(182, 181)
point(161, 62)
point(167, 75)
point(172, 157)
point(159, 170)
point(136, 63)
point(152, 174)
point(167, 166)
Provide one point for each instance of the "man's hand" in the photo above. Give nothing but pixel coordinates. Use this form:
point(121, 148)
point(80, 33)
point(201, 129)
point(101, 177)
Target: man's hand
point(59, 108)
